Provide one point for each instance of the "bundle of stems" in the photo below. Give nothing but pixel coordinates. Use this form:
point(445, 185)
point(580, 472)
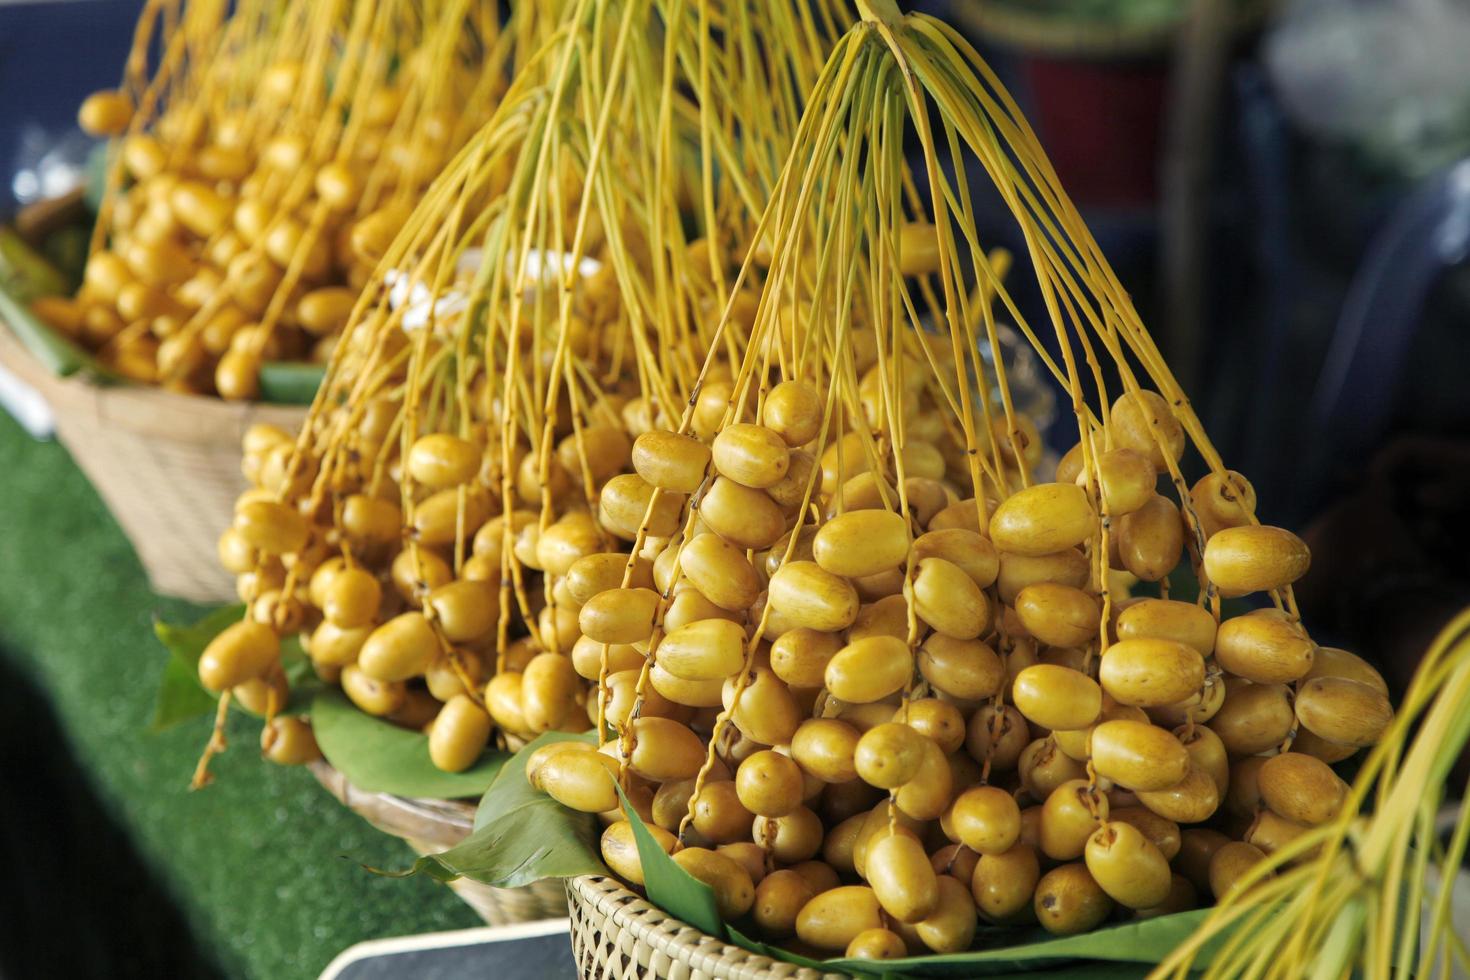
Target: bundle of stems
point(265, 152)
point(566, 259)
point(1371, 893)
point(853, 499)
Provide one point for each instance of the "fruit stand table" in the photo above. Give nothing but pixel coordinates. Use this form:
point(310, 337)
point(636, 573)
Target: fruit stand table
point(113, 867)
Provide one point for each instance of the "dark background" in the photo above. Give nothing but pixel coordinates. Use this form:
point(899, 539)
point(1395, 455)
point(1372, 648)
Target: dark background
point(66, 862)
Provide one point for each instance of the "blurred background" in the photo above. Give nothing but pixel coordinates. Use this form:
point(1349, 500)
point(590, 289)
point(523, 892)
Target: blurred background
point(1283, 187)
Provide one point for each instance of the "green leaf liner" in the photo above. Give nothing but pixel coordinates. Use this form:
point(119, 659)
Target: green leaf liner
point(57, 354)
point(299, 672)
point(379, 757)
point(180, 696)
point(1145, 942)
point(669, 886)
point(290, 382)
point(1130, 946)
point(1125, 950)
point(777, 953)
point(25, 272)
point(24, 275)
point(521, 835)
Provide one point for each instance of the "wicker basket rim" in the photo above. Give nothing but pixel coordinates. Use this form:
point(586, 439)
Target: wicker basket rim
point(675, 938)
point(452, 816)
point(429, 826)
point(144, 409)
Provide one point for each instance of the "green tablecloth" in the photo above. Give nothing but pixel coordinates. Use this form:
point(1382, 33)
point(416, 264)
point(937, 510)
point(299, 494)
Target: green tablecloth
point(258, 875)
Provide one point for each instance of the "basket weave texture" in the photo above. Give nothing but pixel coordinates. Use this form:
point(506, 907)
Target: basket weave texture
point(618, 936)
point(431, 826)
point(166, 465)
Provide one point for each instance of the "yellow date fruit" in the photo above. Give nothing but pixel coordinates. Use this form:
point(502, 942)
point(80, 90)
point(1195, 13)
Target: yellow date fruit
point(1254, 558)
point(1344, 711)
point(831, 920)
point(734, 891)
point(1265, 648)
point(1057, 697)
point(1069, 900)
point(1042, 519)
point(1151, 673)
point(1127, 865)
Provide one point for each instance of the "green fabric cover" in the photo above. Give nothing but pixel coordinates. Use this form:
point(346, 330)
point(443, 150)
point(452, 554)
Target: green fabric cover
point(264, 867)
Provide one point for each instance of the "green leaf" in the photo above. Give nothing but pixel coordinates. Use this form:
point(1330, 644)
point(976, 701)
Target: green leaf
point(1080, 971)
point(66, 250)
point(25, 275)
point(295, 662)
point(379, 757)
point(1123, 951)
point(669, 886)
point(1144, 941)
point(777, 953)
point(57, 354)
point(25, 272)
point(290, 382)
point(180, 697)
point(95, 175)
point(521, 835)
point(1039, 970)
point(301, 676)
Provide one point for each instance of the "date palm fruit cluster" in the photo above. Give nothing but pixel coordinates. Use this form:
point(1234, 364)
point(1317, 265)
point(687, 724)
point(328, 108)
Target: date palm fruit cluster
point(422, 535)
point(780, 543)
point(871, 731)
point(868, 678)
point(257, 176)
point(1380, 872)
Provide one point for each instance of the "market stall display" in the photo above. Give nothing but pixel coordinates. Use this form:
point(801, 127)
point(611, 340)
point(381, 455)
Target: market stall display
point(261, 155)
point(694, 478)
point(263, 158)
point(941, 702)
point(482, 399)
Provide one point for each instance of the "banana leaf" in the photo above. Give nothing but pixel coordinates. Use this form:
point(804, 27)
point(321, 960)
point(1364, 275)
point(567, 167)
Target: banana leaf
point(379, 757)
point(25, 275)
point(670, 886)
point(180, 696)
point(521, 835)
point(290, 382)
point(1125, 950)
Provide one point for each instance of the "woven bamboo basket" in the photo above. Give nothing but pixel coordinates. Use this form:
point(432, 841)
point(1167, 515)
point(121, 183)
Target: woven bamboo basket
point(618, 936)
point(431, 826)
point(166, 465)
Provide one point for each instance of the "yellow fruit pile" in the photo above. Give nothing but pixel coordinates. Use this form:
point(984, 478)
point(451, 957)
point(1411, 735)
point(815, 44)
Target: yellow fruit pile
point(258, 174)
point(917, 692)
point(768, 533)
point(927, 703)
point(472, 440)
